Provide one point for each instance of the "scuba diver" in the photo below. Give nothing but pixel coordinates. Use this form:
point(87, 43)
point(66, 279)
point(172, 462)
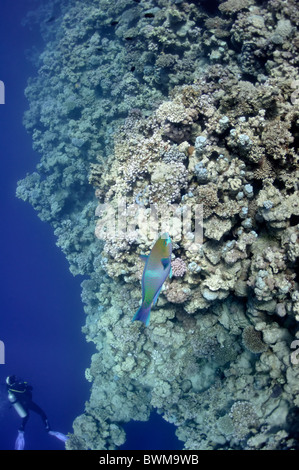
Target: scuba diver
point(20, 397)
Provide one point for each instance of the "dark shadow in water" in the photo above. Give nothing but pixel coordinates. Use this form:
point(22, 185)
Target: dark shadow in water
point(155, 434)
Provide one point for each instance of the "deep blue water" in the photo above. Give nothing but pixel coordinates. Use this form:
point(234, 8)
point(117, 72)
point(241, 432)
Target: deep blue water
point(41, 311)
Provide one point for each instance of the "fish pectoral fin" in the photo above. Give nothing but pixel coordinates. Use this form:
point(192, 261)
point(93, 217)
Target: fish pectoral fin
point(165, 262)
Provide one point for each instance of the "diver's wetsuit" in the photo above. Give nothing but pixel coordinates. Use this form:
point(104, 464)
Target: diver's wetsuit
point(23, 394)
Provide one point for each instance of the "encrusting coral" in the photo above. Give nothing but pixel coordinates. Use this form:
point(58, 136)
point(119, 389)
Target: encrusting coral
point(165, 108)
point(252, 340)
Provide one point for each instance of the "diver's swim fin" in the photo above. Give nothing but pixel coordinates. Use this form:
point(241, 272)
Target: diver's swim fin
point(20, 441)
point(59, 435)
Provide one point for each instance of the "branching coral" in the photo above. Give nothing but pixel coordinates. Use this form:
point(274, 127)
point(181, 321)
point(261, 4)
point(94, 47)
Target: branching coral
point(178, 267)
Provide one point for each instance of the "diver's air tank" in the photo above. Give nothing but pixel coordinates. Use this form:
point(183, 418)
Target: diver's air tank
point(17, 405)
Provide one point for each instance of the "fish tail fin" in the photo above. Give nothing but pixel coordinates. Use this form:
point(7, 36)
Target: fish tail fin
point(143, 314)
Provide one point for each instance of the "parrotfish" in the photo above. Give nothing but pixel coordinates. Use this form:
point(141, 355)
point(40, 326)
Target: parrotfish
point(156, 270)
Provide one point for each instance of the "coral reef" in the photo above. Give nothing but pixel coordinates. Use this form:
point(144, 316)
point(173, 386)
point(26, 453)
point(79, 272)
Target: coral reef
point(163, 112)
point(252, 340)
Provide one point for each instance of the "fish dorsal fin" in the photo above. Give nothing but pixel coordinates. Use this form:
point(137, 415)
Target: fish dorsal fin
point(165, 262)
point(143, 257)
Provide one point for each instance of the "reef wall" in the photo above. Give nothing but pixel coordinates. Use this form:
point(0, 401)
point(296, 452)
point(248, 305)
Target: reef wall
point(182, 104)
